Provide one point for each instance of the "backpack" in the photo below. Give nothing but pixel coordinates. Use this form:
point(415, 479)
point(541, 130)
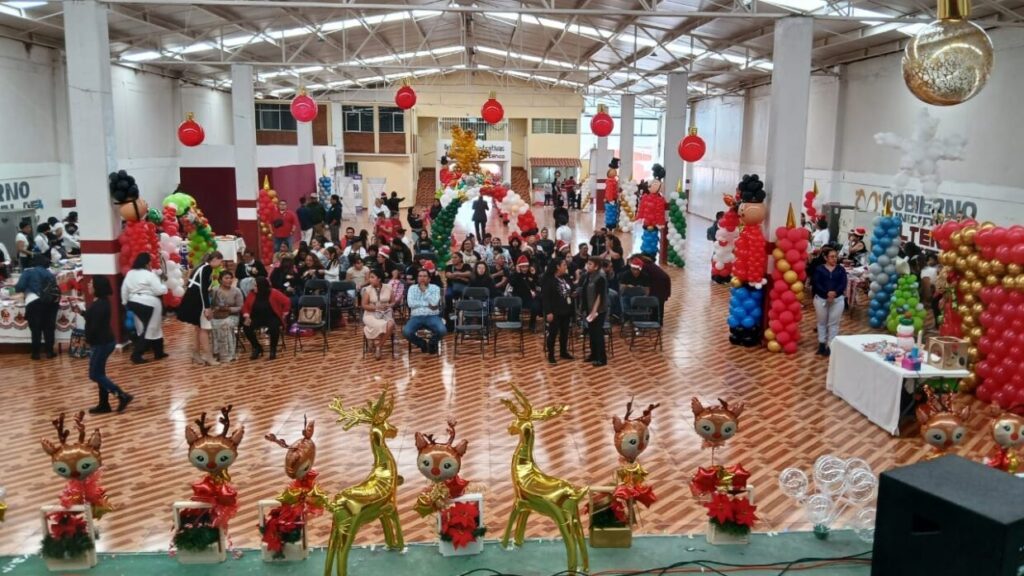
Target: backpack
point(50, 292)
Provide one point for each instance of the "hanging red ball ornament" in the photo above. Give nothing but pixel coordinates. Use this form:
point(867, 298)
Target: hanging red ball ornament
point(492, 111)
point(602, 124)
point(405, 98)
point(692, 147)
point(190, 133)
point(304, 108)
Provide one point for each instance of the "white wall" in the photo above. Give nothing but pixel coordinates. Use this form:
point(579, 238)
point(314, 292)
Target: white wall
point(720, 123)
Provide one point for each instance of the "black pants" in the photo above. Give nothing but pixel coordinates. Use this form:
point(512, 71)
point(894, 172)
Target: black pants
point(596, 331)
point(273, 326)
point(480, 227)
point(560, 327)
point(42, 323)
point(143, 315)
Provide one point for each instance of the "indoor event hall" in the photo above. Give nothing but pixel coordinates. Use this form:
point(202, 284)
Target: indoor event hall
point(686, 286)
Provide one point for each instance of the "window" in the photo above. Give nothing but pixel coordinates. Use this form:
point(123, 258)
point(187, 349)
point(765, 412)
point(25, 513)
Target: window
point(646, 126)
point(351, 168)
point(274, 117)
point(555, 125)
point(392, 120)
point(358, 118)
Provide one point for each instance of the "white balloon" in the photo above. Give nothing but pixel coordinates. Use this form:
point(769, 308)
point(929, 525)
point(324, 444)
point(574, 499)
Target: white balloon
point(178, 292)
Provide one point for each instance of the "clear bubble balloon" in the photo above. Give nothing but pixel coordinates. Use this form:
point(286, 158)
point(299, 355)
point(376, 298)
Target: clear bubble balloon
point(829, 474)
point(819, 509)
point(793, 482)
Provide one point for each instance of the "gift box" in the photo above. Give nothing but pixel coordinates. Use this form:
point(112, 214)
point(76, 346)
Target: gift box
point(605, 529)
point(476, 546)
point(292, 551)
point(214, 553)
point(82, 561)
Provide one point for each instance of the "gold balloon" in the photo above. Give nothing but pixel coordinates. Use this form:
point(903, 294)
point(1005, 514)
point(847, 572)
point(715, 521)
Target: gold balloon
point(968, 383)
point(790, 277)
point(964, 285)
point(797, 287)
point(736, 282)
point(974, 260)
point(975, 334)
point(968, 237)
point(986, 225)
point(1014, 269)
point(998, 268)
point(968, 322)
point(537, 492)
point(991, 280)
point(947, 258)
point(949, 60)
point(779, 256)
point(964, 250)
point(1009, 283)
point(984, 268)
point(957, 238)
point(969, 274)
point(972, 353)
point(969, 298)
point(976, 286)
point(774, 346)
point(783, 266)
point(977, 308)
point(374, 498)
point(960, 264)
point(769, 335)
point(963, 310)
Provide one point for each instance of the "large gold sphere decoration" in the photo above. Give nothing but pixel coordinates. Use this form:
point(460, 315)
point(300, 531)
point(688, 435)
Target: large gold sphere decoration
point(949, 61)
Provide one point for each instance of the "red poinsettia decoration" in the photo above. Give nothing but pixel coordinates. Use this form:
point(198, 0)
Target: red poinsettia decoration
point(720, 508)
point(282, 520)
point(460, 524)
point(729, 511)
point(66, 525)
point(743, 512)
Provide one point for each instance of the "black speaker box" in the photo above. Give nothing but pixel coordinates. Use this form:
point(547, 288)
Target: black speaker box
point(949, 516)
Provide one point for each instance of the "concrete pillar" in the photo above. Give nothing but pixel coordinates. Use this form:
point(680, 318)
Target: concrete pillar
point(600, 168)
point(787, 117)
point(675, 128)
point(247, 185)
point(304, 150)
point(628, 106)
point(93, 145)
point(337, 132)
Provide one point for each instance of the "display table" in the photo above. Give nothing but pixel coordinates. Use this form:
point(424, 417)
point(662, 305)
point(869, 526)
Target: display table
point(869, 383)
point(231, 247)
point(14, 325)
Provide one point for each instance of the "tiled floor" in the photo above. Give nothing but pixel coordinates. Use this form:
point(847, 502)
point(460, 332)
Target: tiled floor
point(790, 420)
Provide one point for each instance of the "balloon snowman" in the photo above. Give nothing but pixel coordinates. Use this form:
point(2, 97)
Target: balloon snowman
point(651, 212)
point(885, 248)
point(611, 194)
point(745, 304)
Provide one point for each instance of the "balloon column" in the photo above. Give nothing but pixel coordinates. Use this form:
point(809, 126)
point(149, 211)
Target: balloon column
point(611, 192)
point(810, 210)
point(788, 277)
point(267, 212)
point(906, 301)
point(627, 197)
point(725, 242)
point(139, 234)
point(882, 265)
point(170, 251)
point(651, 212)
point(325, 185)
point(677, 226)
point(200, 236)
point(745, 314)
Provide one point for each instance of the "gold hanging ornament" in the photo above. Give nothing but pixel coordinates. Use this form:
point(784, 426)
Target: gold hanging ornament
point(949, 61)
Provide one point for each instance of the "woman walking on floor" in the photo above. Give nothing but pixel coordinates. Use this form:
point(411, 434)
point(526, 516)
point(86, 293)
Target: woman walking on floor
point(100, 337)
point(140, 293)
point(196, 310)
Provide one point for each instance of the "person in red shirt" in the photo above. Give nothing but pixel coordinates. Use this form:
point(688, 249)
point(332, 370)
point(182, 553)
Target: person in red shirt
point(284, 225)
point(264, 307)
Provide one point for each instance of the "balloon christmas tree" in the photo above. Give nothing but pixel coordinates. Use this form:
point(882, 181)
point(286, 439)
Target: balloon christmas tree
point(885, 249)
point(677, 226)
point(200, 236)
point(745, 313)
point(906, 302)
point(788, 277)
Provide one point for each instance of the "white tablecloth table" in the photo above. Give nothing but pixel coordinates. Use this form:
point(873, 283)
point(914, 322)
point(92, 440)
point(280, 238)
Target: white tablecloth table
point(869, 383)
point(231, 247)
point(14, 325)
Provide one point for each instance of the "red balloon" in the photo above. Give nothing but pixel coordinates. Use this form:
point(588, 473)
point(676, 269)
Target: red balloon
point(792, 255)
point(492, 111)
point(304, 108)
point(1000, 375)
point(786, 245)
point(984, 393)
point(602, 124)
point(405, 98)
point(983, 369)
point(691, 148)
point(787, 317)
point(1017, 254)
point(795, 308)
point(190, 133)
point(783, 337)
point(776, 326)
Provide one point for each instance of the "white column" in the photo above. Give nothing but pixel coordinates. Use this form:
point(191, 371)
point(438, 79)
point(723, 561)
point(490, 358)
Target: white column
point(787, 117)
point(91, 117)
point(675, 128)
point(243, 112)
point(337, 132)
point(601, 160)
point(628, 106)
point(304, 151)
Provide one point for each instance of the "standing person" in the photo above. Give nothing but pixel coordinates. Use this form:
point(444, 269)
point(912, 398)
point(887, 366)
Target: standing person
point(318, 215)
point(713, 229)
point(264, 307)
point(305, 218)
point(42, 302)
point(595, 300)
point(829, 285)
point(226, 301)
point(480, 216)
point(821, 236)
point(599, 242)
point(141, 290)
point(424, 301)
point(284, 227)
point(556, 300)
point(100, 337)
point(412, 216)
point(23, 244)
point(563, 233)
point(556, 189)
point(196, 310)
point(379, 211)
point(334, 219)
point(378, 319)
point(394, 203)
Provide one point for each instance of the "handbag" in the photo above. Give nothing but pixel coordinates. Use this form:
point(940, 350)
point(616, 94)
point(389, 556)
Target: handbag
point(78, 347)
point(310, 315)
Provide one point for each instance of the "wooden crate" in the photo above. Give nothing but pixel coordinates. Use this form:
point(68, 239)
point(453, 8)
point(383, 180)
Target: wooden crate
point(215, 554)
point(81, 562)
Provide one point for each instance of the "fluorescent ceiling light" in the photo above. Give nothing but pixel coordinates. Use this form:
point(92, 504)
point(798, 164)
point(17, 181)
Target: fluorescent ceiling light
point(140, 56)
point(25, 5)
point(529, 58)
point(812, 6)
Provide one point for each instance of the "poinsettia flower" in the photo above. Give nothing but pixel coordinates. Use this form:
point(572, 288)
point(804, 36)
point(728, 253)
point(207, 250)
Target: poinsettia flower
point(461, 537)
point(743, 512)
point(464, 515)
point(720, 508)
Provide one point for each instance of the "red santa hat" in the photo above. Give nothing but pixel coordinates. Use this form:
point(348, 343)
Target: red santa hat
point(560, 245)
point(429, 266)
point(636, 263)
point(522, 261)
point(384, 251)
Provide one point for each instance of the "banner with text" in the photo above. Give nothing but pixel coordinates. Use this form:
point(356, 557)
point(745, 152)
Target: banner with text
point(499, 150)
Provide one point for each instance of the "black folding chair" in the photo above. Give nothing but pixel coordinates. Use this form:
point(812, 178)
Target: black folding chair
point(470, 320)
point(316, 287)
point(628, 294)
point(509, 311)
point(340, 302)
point(646, 311)
point(319, 302)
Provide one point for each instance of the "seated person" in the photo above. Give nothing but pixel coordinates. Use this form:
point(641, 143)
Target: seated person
point(458, 274)
point(500, 275)
point(424, 301)
point(633, 276)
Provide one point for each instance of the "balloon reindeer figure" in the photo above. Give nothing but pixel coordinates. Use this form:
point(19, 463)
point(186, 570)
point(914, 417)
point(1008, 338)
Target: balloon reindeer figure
point(943, 426)
point(373, 498)
point(79, 463)
point(715, 424)
point(440, 463)
point(214, 455)
point(303, 499)
point(632, 437)
point(537, 492)
point(1008, 432)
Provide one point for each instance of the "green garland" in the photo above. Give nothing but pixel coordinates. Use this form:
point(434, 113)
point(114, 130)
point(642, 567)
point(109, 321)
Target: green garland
point(196, 538)
point(678, 220)
point(731, 528)
point(67, 547)
point(441, 232)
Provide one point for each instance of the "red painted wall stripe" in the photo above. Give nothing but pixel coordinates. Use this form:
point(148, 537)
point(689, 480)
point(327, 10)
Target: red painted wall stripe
point(100, 247)
point(68, 203)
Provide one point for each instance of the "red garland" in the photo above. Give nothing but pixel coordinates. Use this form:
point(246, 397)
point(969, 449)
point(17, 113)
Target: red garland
point(220, 495)
point(459, 521)
point(281, 520)
point(719, 478)
point(66, 525)
point(88, 491)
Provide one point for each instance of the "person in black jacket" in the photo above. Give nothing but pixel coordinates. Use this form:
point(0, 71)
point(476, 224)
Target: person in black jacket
point(334, 219)
point(595, 299)
point(480, 209)
point(556, 299)
point(250, 266)
point(100, 337)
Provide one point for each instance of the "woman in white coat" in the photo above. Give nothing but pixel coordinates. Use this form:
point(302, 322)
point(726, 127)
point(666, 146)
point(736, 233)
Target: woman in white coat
point(141, 290)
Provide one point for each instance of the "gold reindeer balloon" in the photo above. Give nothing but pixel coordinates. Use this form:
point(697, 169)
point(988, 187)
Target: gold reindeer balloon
point(537, 492)
point(440, 463)
point(942, 424)
point(375, 497)
point(213, 454)
point(716, 424)
point(301, 455)
point(79, 463)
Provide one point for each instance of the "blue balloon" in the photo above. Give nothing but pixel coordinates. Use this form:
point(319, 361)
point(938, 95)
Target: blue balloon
point(733, 322)
point(748, 322)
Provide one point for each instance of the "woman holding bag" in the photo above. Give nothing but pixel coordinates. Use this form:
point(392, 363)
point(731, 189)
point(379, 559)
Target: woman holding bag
point(141, 290)
point(196, 309)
